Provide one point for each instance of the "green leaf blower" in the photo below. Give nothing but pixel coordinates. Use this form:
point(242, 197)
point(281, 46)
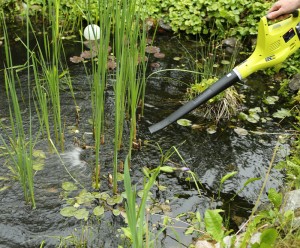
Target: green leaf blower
point(275, 43)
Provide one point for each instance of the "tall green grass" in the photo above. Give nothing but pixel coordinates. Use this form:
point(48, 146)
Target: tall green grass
point(129, 47)
point(18, 145)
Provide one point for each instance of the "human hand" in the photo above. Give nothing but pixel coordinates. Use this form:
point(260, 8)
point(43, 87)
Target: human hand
point(282, 8)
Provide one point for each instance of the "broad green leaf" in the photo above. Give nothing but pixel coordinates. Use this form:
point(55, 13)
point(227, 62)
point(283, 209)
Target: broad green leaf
point(282, 113)
point(38, 154)
point(116, 199)
point(271, 100)
point(227, 176)
point(84, 197)
point(68, 211)
point(213, 223)
point(275, 197)
point(253, 117)
point(99, 210)
point(69, 186)
point(268, 238)
point(81, 214)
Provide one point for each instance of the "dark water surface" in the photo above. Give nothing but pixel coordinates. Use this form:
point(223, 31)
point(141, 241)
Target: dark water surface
point(209, 156)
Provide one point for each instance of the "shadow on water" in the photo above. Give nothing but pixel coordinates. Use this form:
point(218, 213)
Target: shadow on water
point(210, 156)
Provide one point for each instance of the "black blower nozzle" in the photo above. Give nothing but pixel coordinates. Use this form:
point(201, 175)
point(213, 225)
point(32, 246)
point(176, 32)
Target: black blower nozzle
point(210, 92)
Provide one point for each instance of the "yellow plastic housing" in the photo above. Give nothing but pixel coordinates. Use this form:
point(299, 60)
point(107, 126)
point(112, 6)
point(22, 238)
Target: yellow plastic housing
point(274, 44)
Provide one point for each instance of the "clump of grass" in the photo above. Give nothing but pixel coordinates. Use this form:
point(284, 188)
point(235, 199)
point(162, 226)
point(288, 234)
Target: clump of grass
point(212, 64)
point(19, 146)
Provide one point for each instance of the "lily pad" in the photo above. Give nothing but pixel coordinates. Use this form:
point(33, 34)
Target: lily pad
point(184, 122)
point(38, 154)
point(81, 214)
point(68, 211)
point(159, 55)
point(76, 59)
point(84, 197)
point(103, 196)
point(38, 165)
point(116, 212)
point(152, 49)
point(99, 210)
point(116, 199)
point(69, 186)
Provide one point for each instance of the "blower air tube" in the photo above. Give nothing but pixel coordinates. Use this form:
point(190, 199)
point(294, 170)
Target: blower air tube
point(210, 92)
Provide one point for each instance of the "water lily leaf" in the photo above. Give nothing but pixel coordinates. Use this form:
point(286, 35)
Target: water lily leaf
point(38, 154)
point(116, 212)
point(68, 211)
point(76, 59)
point(271, 100)
point(81, 214)
point(184, 122)
point(116, 199)
point(152, 49)
point(103, 196)
point(282, 113)
point(99, 210)
point(159, 55)
point(69, 186)
point(38, 166)
point(88, 54)
point(241, 131)
point(84, 197)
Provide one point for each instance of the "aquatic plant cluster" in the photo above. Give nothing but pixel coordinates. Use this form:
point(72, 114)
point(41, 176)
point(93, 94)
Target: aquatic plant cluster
point(224, 17)
point(120, 47)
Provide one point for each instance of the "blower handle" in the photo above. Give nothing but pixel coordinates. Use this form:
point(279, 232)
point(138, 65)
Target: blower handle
point(210, 92)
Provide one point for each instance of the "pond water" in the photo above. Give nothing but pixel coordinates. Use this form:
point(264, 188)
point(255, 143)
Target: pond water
point(209, 156)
